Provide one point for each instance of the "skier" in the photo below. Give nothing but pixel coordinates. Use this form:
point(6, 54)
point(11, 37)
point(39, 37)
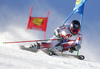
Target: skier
point(69, 39)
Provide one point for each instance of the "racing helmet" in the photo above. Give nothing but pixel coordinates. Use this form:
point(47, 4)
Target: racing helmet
point(75, 27)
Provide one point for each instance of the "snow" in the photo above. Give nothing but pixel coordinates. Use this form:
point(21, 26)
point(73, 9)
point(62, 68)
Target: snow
point(12, 57)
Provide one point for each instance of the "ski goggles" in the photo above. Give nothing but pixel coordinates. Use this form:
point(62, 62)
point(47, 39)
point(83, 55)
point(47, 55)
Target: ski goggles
point(75, 31)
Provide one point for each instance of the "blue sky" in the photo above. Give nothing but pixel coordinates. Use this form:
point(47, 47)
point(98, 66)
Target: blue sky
point(16, 12)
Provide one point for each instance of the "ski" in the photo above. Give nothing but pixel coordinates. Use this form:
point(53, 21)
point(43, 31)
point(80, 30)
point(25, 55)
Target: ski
point(48, 52)
point(51, 53)
point(56, 53)
point(80, 57)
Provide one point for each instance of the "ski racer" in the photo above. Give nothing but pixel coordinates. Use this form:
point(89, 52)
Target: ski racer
point(69, 39)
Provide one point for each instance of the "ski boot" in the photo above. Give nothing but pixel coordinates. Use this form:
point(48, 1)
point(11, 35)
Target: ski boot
point(55, 50)
point(35, 46)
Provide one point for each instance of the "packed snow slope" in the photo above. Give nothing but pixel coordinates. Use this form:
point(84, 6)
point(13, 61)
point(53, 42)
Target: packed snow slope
point(12, 57)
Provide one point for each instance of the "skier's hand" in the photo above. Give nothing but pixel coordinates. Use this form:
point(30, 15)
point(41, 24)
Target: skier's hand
point(57, 33)
point(60, 38)
point(77, 47)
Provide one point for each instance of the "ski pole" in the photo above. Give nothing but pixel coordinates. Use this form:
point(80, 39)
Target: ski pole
point(29, 41)
point(77, 52)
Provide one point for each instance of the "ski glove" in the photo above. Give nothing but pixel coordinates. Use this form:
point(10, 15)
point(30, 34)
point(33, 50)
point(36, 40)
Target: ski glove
point(77, 47)
point(57, 33)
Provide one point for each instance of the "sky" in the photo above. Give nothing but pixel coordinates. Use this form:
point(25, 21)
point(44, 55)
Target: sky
point(14, 17)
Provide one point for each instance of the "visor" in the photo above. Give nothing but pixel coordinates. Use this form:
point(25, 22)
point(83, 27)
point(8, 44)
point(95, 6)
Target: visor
point(75, 31)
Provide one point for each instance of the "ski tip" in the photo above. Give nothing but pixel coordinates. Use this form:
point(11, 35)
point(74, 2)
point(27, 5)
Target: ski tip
point(4, 42)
